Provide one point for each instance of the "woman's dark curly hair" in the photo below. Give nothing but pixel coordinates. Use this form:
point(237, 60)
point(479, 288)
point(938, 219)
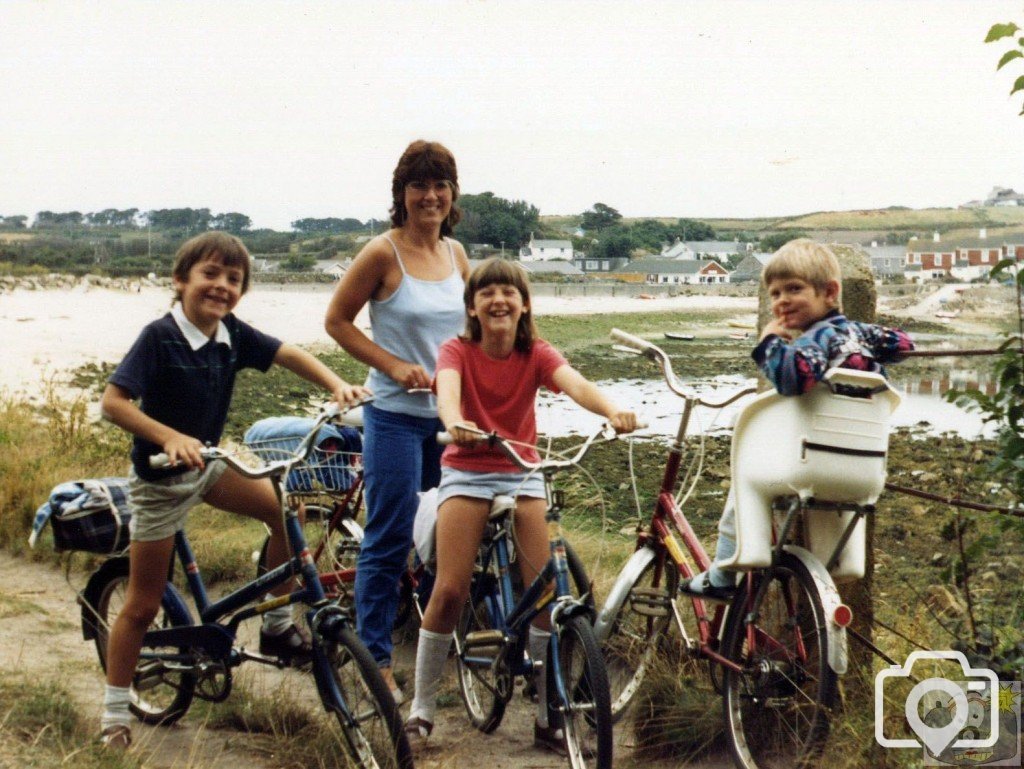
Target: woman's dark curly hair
point(423, 160)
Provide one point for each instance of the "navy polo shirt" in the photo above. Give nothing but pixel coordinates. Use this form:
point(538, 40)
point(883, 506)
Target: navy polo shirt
point(186, 383)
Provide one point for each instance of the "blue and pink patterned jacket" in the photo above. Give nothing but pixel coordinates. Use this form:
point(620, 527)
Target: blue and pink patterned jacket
point(795, 367)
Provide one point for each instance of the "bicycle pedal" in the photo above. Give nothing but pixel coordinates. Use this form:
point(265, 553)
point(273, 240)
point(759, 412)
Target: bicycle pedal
point(148, 675)
point(481, 638)
point(649, 602)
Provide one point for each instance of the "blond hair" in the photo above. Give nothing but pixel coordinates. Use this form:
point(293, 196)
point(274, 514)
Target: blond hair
point(805, 260)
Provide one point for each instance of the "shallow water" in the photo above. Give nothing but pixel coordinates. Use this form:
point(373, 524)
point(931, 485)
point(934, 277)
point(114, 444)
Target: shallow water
point(922, 406)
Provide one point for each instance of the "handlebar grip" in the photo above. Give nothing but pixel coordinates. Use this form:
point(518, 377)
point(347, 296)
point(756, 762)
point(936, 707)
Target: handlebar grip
point(629, 340)
point(159, 461)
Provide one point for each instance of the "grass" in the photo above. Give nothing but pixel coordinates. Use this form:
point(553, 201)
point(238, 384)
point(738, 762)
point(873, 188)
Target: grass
point(40, 726)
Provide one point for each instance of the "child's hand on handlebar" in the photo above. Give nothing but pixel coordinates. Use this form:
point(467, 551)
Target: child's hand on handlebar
point(346, 393)
point(185, 450)
point(464, 433)
point(623, 421)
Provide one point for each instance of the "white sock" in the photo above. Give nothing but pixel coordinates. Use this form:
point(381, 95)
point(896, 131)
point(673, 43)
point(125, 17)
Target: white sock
point(431, 654)
point(115, 707)
point(724, 550)
point(277, 621)
point(539, 643)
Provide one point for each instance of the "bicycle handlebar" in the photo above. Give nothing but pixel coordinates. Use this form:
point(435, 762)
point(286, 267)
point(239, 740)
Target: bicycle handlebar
point(603, 435)
point(659, 356)
point(328, 412)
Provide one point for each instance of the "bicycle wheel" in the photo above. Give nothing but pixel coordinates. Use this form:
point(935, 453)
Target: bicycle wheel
point(777, 706)
point(578, 687)
point(635, 628)
point(373, 737)
point(341, 548)
point(485, 683)
point(158, 695)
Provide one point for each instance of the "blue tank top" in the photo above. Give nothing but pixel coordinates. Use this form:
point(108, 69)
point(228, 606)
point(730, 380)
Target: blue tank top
point(411, 324)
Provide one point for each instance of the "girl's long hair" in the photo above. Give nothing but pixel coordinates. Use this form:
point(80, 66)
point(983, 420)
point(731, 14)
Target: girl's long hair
point(503, 272)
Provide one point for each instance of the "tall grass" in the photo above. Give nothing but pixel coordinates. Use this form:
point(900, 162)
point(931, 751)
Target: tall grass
point(41, 446)
point(40, 726)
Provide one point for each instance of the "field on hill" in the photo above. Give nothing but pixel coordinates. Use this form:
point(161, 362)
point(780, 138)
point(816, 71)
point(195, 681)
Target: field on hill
point(1000, 221)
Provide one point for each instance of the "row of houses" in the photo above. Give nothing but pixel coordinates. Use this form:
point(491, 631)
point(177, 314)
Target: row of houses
point(705, 262)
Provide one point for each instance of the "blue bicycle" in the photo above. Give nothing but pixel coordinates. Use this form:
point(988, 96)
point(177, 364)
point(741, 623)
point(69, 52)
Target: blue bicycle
point(491, 637)
point(182, 659)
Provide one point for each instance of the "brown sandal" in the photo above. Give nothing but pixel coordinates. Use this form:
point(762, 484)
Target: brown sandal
point(116, 737)
point(417, 731)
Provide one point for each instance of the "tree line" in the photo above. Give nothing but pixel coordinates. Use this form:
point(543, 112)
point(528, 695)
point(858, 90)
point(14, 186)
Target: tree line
point(130, 241)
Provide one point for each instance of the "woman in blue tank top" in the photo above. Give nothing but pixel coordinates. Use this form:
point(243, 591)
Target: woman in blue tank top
point(413, 278)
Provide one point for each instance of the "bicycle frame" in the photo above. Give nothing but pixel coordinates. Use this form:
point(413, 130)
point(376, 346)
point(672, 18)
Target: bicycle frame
point(513, 620)
point(659, 537)
point(211, 636)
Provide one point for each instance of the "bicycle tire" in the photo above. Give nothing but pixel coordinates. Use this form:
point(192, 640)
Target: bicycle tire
point(341, 549)
point(581, 697)
point(777, 707)
point(485, 688)
point(376, 738)
point(157, 697)
point(635, 629)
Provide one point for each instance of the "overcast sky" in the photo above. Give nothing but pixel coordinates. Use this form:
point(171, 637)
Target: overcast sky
point(282, 110)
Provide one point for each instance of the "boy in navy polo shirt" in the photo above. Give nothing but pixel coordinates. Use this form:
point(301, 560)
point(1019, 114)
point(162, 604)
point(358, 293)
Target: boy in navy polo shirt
point(182, 369)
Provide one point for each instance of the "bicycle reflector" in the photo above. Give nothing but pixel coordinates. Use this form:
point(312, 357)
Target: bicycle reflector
point(843, 615)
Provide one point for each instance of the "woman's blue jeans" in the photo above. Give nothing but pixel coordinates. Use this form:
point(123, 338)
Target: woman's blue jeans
point(401, 457)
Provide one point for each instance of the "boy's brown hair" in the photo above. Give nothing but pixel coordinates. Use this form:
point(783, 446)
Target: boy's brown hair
point(423, 160)
point(806, 260)
point(503, 272)
point(228, 249)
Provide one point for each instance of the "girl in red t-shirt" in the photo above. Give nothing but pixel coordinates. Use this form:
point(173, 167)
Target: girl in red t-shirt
point(488, 379)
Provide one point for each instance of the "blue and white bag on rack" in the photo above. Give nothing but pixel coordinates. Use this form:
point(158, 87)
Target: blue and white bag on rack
point(331, 465)
point(90, 516)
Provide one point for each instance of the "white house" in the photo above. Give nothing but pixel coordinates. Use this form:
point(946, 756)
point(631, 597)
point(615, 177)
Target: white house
point(675, 271)
point(545, 250)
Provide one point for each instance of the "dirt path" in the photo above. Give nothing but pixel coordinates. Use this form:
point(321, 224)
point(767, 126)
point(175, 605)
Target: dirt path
point(42, 639)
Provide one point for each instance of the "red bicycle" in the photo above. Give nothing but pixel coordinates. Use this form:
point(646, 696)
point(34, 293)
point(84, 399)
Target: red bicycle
point(776, 651)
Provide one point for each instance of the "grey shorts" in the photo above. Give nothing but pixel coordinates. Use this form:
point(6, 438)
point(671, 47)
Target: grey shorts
point(467, 483)
point(160, 508)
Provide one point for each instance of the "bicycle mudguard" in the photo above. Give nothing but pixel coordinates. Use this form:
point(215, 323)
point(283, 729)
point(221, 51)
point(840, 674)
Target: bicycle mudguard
point(830, 601)
point(620, 590)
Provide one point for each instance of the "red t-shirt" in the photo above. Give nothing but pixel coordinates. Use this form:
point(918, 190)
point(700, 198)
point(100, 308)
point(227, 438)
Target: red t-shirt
point(498, 395)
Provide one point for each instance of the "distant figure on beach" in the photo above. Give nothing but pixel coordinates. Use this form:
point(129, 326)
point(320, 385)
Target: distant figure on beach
point(412, 276)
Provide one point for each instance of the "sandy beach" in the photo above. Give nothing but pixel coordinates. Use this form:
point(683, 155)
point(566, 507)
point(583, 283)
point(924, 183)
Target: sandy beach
point(45, 333)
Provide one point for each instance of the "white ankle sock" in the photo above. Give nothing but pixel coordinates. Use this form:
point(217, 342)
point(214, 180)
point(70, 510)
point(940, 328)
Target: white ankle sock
point(539, 643)
point(277, 621)
point(431, 654)
point(115, 707)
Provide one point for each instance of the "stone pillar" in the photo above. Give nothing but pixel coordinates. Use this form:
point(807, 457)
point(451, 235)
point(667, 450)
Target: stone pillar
point(858, 301)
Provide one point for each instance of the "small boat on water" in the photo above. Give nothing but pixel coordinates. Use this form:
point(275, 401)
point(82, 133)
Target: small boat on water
point(678, 335)
point(739, 335)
